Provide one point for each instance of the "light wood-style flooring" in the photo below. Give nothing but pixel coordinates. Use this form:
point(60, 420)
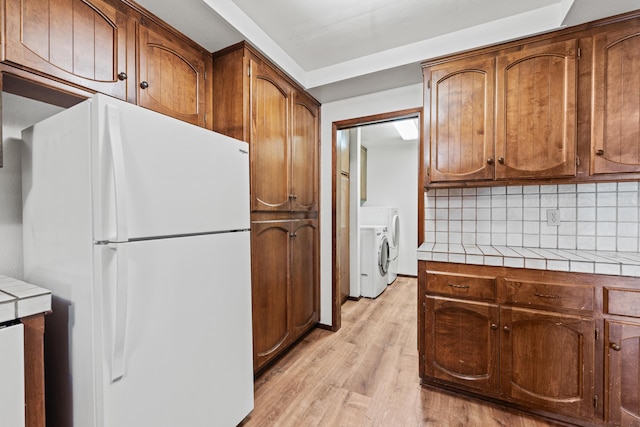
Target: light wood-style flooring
point(366, 374)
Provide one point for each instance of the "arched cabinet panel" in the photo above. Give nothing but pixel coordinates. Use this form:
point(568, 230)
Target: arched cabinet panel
point(270, 289)
point(304, 274)
point(270, 162)
point(615, 136)
point(170, 77)
point(304, 154)
point(536, 104)
point(461, 345)
point(80, 41)
point(461, 130)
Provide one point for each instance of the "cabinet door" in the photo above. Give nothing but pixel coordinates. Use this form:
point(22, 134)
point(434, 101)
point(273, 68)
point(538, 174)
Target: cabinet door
point(81, 41)
point(343, 246)
point(461, 130)
point(461, 340)
point(304, 275)
point(615, 136)
point(304, 153)
point(622, 373)
point(269, 151)
point(536, 119)
point(171, 77)
point(270, 291)
point(547, 360)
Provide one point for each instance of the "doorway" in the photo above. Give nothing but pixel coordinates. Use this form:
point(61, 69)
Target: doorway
point(362, 148)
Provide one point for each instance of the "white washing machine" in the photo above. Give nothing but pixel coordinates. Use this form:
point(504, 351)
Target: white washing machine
point(374, 260)
point(387, 216)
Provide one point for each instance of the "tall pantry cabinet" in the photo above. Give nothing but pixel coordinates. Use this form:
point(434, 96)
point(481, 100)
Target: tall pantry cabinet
point(256, 102)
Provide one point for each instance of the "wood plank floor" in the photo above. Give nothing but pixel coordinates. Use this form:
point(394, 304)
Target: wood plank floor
point(366, 374)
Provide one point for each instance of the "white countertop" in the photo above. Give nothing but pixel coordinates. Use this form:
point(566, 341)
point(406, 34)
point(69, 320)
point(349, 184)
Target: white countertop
point(576, 261)
point(21, 299)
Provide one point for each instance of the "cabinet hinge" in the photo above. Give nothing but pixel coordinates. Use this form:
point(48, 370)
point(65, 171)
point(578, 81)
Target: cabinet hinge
point(249, 71)
point(205, 118)
point(205, 75)
point(429, 84)
point(424, 357)
point(597, 334)
point(424, 306)
point(579, 53)
point(595, 401)
point(577, 161)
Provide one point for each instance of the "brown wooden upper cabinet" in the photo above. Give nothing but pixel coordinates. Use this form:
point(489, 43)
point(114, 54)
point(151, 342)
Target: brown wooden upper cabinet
point(461, 131)
point(270, 154)
point(615, 132)
point(284, 144)
point(304, 153)
point(258, 104)
point(83, 42)
point(530, 95)
point(536, 112)
point(171, 76)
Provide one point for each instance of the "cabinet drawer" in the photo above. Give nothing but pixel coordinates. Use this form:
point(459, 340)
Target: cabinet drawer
point(549, 295)
point(623, 302)
point(462, 285)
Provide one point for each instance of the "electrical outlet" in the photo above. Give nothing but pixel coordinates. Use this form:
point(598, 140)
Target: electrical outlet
point(553, 217)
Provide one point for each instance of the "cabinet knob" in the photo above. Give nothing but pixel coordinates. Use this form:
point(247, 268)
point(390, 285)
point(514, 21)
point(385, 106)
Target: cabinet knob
point(293, 234)
point(506, 329)
point(292, 197)
point(599, 152)
point(490, 161)
point(122, 76)
point(144, 85)
point(501, 160)
point(494, 326)
point(615, 346)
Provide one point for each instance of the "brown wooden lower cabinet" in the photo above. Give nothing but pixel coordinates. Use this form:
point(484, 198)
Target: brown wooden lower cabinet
point(285, 281)
point(623, 373)
point(34, 370)
point(547, 360)
point(565, 346)
point(462, 345)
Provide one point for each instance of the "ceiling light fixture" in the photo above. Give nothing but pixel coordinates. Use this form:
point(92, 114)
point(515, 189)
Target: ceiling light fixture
point(407, 129)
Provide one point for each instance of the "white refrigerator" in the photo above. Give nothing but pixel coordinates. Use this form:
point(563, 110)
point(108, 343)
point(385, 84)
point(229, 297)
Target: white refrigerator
point(139, 225)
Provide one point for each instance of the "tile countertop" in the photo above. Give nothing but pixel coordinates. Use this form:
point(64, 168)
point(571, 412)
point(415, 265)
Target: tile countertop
point(20, 299)
point(575, 261)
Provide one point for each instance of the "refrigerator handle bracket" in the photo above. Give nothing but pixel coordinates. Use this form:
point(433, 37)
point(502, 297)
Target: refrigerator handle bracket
point(114, 139)
point(120, 313)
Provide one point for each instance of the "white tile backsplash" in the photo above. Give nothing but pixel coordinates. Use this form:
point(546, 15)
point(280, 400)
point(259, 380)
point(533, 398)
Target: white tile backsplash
point(602, 216)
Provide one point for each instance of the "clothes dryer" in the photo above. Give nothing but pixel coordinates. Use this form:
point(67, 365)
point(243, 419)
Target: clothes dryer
point(374, 260)
point(389, 217)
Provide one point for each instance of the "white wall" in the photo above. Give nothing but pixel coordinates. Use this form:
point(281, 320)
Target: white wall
point(376, 103)
point(17, 114)
point(11, 205)
point(392, 180)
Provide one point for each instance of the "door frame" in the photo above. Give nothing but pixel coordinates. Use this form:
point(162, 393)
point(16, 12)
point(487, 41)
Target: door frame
point(336, 304)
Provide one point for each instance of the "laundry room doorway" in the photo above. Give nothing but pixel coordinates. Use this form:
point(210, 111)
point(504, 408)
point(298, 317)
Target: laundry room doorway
point(374, 166)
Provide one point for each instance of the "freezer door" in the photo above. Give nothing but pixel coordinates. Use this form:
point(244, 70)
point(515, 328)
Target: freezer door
point(185, 304)
point(158, 176)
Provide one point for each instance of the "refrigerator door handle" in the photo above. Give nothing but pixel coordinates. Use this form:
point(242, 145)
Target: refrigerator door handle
point(116, 147)
point(120, 313)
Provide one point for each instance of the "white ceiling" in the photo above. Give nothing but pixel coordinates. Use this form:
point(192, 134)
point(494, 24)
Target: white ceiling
point(341, 48)
point(384, 134)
